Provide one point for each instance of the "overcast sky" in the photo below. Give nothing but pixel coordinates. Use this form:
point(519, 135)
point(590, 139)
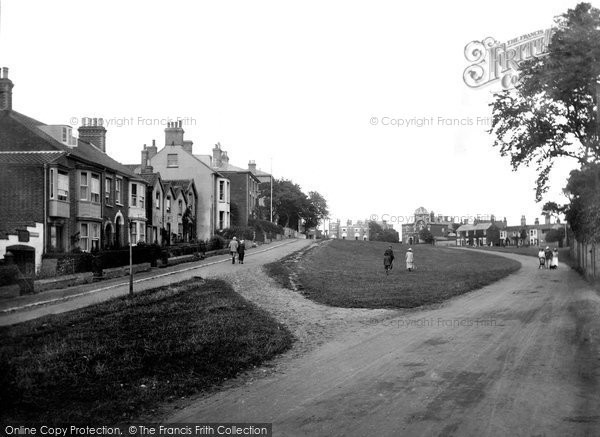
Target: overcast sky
point(295, 83)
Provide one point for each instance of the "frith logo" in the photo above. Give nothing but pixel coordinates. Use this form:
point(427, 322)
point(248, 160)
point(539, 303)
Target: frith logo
point(493, 61)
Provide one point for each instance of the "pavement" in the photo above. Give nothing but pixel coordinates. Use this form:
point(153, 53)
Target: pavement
point(29, 307)
point(520, 357)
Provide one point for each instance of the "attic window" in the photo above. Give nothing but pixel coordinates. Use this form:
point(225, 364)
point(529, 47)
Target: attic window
point(172, 160)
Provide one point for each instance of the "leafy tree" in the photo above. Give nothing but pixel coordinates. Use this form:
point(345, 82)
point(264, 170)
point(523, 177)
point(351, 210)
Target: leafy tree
point(314, 210)
point(583, 211)
point(426, 235)
point(377, 233)
point(288, 201)
point(375, 230)
point(551, 114)
point(555, 235)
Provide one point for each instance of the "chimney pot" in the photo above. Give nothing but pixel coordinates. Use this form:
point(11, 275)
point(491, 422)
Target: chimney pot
point(5, 72)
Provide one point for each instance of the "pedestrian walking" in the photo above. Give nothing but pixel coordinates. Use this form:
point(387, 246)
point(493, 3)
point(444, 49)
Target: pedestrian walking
point(388, 260)
point(410, 260)
point(541, 258)
point(233, 249)
point(241, 251)
point(554, 264)
point(548, 256)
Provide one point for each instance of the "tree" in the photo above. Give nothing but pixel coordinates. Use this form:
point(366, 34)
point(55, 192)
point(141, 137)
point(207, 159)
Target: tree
point(377, 233)
point(555, 235)
point(314, 210)
point(583, 210)
point(550, 113)
point(426, 235)
point(288, 201)
point(375, 230)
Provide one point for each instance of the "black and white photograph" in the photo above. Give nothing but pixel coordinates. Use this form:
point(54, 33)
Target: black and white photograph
point(276, 218)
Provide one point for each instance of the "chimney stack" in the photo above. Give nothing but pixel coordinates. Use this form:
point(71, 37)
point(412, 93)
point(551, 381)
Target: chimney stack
point(217, 153)
point(537, 221)
point(6, 87)
point(523, 221)
point(547, 219)
point(152, 151)
point(146, 167)
point(174, 134)
point(93, 132)
point(188, 146)
point(252, 166)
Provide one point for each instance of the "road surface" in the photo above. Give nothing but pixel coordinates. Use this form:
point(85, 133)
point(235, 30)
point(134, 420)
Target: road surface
point(518, 357)
point(101, 291)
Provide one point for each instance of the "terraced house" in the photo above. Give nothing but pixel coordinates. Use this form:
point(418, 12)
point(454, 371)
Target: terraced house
point(59, 193)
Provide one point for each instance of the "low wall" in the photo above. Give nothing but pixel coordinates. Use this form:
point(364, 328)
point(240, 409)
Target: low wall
point(63, 281)
point(117, 272)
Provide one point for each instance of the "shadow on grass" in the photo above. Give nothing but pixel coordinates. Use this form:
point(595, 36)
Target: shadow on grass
point(350, 274)
point(121, 358)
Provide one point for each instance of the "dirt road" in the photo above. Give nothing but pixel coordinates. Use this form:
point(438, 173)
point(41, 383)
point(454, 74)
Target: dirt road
point(519, 357)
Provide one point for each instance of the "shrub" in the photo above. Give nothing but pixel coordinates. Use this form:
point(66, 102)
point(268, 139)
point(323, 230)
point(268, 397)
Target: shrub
point(216, 242)
point(241, 232)
point(266, 226)
point(71, 263)
point(9, 274)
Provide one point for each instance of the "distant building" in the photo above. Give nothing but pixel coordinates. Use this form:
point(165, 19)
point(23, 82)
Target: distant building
point(349, 230)
point(529, 235)
point(441, 227)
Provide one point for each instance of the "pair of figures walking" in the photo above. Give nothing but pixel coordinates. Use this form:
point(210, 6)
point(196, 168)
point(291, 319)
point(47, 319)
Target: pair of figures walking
point(388, 260)
point(237, 248)
point(548, 258)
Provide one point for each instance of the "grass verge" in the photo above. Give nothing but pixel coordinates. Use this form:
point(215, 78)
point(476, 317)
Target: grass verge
point(119, 359)
point(350, 274)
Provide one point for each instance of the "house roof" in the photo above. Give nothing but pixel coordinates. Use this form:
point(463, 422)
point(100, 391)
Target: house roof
point(31, 158)
point(151, 178)
point(182, 184)
point(477, 227)
point(21, 133)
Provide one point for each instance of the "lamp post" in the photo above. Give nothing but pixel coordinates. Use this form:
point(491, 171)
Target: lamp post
point(131, 223)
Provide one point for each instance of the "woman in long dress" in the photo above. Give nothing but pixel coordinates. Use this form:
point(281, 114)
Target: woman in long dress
point(410, 261)
point(554, 264)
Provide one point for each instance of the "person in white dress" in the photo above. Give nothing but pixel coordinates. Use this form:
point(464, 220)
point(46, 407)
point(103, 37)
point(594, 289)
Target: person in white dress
point(410, 261)
point(554, 264)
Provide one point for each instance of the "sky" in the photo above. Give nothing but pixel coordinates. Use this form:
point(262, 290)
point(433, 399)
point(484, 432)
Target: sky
point(307, 90)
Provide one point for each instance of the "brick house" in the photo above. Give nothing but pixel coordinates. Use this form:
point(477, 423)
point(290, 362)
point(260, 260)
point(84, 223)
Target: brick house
point(59, 192)
point(244, 189)
point(480, 234)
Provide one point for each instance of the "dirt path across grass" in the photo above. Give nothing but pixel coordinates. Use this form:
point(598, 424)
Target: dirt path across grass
point(518, 357)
